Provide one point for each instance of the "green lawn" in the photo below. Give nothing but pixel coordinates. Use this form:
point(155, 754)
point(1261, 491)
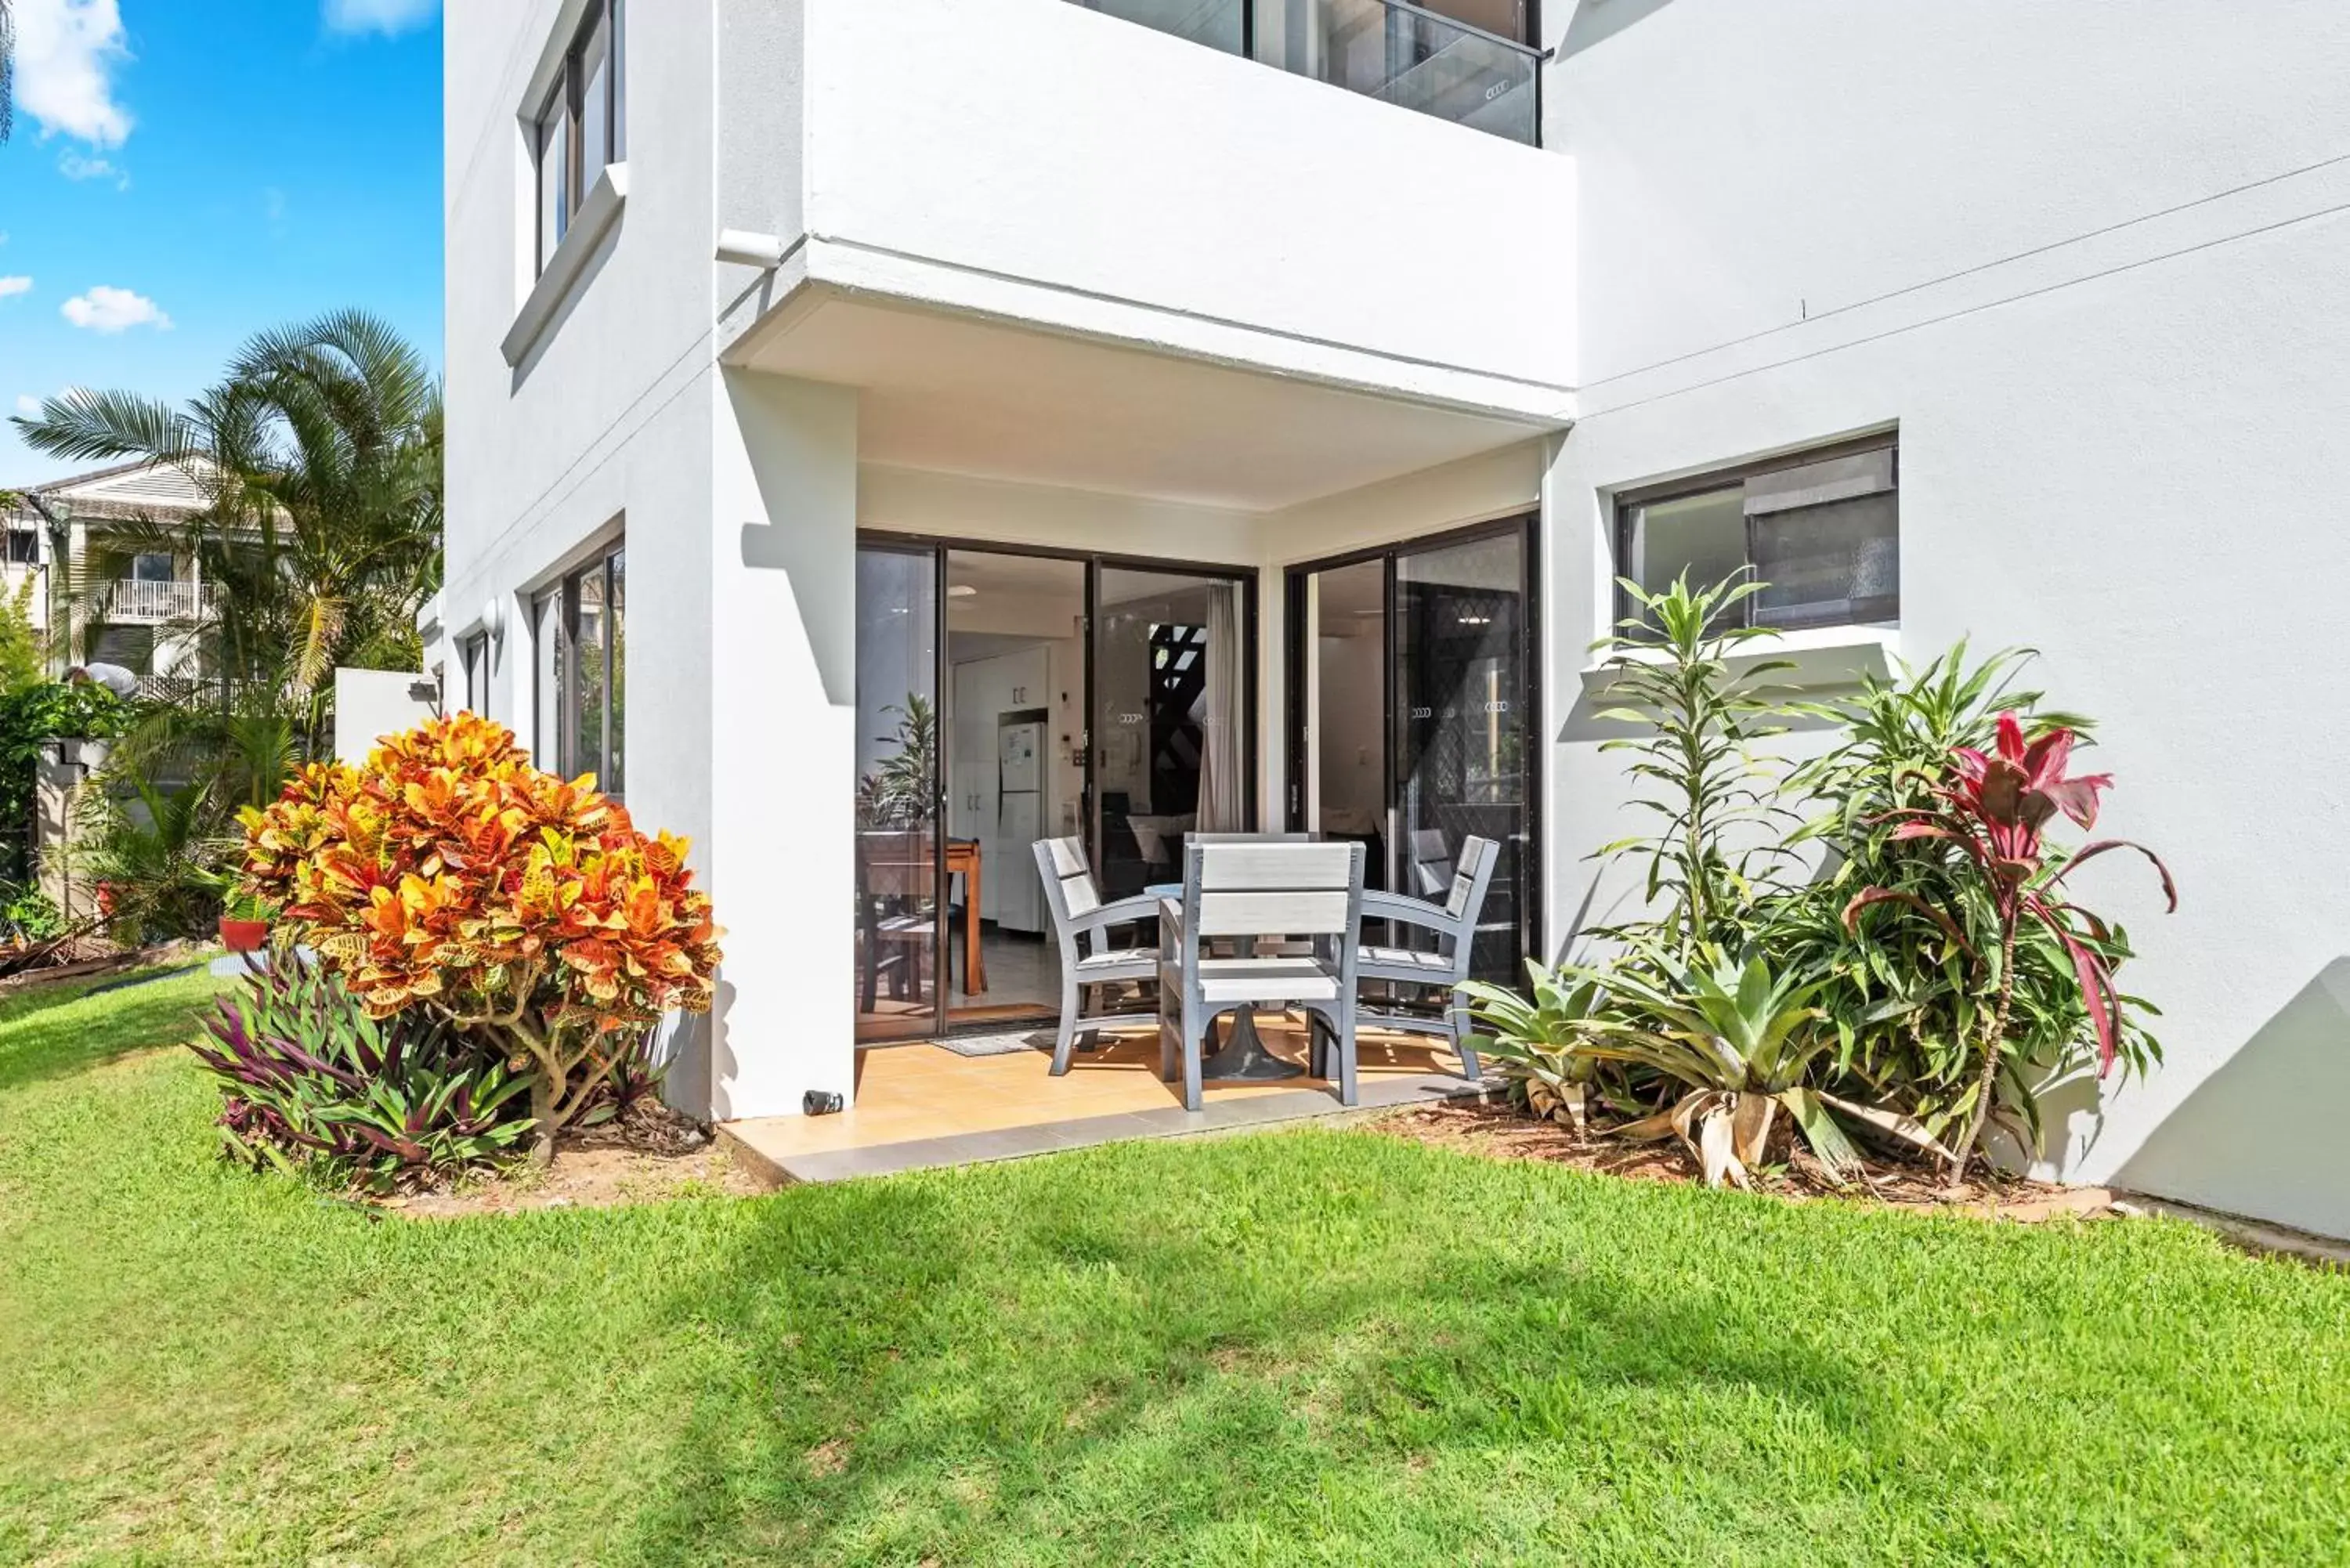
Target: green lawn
point(1323, 1347)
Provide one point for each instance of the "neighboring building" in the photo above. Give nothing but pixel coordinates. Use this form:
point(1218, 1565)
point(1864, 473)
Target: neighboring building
point(1222, 439)
point(73, 538)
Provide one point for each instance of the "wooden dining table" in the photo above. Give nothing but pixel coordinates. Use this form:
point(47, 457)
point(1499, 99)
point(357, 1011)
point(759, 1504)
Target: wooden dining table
point(903, 869)
point(963, 860)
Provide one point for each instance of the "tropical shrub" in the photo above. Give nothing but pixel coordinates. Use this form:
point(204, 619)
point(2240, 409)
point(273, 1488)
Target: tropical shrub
point(1909, 1003)
point(156, 847)
point(27, 914)
point(309, 1076)
point(31, 716)
point(448, 874)
point(1737, 1039)
point(1990, 817)
point(22, 665)
point(1919, 979)
point(1538, 1040)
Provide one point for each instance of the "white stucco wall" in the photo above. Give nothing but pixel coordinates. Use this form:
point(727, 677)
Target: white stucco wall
point(605, 429)
point(1039, 160)
point(2063, 249)
point(372, 704)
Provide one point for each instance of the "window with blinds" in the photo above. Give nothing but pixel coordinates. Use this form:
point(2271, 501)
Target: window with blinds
point(1820, 531)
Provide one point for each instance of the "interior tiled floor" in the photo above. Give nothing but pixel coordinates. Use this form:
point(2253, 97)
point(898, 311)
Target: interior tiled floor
point(909, 1093)
point(1021, 971)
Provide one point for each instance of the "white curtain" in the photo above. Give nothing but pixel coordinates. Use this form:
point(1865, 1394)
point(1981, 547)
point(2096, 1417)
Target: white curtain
point(1221, 794)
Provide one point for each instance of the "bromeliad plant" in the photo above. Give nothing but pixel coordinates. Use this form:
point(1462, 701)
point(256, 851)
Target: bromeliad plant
point(1540, 1040)
point(448, 875)
point(1738, 1039)
point(309, 1076)
point(1990, 813)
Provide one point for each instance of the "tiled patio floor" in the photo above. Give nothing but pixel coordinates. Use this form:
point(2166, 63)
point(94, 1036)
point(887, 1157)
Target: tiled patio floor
point(921, 1104)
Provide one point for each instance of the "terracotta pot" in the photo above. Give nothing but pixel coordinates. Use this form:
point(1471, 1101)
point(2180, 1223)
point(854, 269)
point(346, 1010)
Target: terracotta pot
point(244, 936)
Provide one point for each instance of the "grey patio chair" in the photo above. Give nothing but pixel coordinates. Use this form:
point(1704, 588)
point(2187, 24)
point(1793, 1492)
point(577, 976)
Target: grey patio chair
point(1244, 890)
point(1454, 924)
point(1079, 913)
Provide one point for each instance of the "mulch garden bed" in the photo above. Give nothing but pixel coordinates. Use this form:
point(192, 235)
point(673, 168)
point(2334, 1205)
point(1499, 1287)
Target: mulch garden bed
point(649, 1155)
point(1503, 1131)
point(78, 957)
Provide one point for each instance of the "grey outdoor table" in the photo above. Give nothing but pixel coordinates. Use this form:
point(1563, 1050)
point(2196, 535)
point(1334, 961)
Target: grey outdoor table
point(1242, 1058)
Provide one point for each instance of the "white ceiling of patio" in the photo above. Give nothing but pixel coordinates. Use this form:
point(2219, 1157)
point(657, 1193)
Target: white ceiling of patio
point(960, 395)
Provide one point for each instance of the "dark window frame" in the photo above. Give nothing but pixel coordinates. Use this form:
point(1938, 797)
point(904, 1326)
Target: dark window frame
point(561, 709)
point(568, 92)
point(473, 659)
point(1628, 503)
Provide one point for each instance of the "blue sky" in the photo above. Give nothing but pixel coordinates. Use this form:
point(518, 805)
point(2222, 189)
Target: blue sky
point(184, 174)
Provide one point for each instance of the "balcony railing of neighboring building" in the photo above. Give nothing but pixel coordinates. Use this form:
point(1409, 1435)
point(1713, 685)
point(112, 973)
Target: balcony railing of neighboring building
point(208, 691)
point(1405, 54)
point(144, 599)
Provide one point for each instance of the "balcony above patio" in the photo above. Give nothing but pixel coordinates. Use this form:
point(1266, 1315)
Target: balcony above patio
point(1063, 167)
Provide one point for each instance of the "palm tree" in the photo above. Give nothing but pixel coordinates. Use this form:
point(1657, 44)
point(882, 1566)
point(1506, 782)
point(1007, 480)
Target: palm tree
point(319, 456)
point(7, 70)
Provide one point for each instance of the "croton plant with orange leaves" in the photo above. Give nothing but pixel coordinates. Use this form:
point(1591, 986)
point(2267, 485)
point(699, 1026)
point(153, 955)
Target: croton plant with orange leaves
point(448, 873)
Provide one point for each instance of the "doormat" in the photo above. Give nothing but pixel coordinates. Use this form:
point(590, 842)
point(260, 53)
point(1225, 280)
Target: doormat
point(997, 1044)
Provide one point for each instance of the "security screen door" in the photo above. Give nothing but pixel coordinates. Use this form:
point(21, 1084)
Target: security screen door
point(1437, 639)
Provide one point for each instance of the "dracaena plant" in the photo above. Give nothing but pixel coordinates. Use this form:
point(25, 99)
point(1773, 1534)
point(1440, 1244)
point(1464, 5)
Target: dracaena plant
point(1698, 715)
point(1990, 815)
point(1908, 1003)
point(448, 875)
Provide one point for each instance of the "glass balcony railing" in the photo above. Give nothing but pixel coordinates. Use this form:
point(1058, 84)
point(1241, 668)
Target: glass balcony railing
point(1406, 54)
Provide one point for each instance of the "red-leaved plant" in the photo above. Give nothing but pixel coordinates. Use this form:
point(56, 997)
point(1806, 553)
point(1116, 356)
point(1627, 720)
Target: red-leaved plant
point(1994, 808)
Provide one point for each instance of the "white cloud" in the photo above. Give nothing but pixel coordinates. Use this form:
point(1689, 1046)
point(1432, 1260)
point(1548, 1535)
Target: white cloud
point(385, 17)
point(104, 309)
point(28, 405)
point(18, 285)
point(74, 166)
point(66, 53)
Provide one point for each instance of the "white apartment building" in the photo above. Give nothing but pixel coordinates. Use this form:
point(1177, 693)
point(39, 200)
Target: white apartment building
point(1183, 414)
point(101, 590)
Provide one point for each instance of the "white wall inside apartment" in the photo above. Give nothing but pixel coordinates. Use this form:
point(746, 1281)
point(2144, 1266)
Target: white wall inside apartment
point(2065, 249)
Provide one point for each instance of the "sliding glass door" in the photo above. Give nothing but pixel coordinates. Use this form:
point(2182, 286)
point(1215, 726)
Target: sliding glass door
point(1004, 696)
point(1169, 725)
point(1411, 718)
point(897, 922)
point(1462, 729)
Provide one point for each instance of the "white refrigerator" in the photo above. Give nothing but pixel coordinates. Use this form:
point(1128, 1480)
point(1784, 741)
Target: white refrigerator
point(1018, 897)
